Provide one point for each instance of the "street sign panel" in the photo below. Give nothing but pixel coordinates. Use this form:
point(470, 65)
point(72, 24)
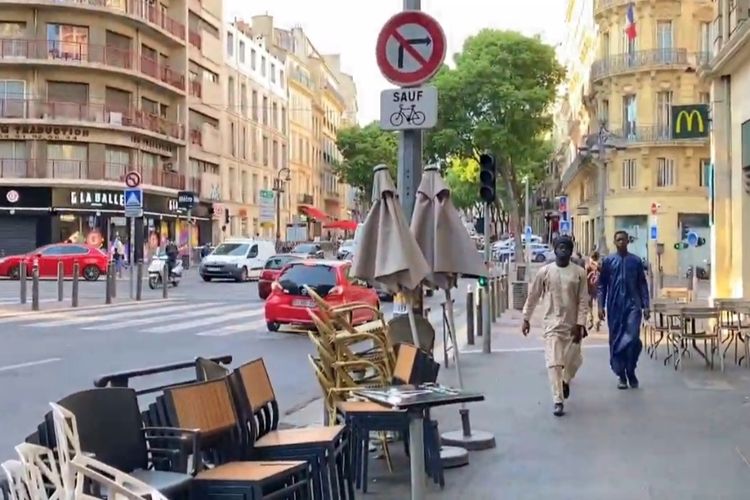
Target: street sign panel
point(410, 48)
point(133, 179)
point(187, 200)
point(653, 233)
point(563, 206)
point(692, 239)
point(133, 212)
point(267, 211)
point(134, 198)
point(564, 227)
point(408, 109)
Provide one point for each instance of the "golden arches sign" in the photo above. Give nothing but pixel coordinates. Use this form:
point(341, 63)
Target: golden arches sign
point(690, 122)
point(687, 118)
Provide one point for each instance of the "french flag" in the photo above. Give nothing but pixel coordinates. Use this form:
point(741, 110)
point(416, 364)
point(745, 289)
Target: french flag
point(630, 23)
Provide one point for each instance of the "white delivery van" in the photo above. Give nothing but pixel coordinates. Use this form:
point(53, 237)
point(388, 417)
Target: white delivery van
point(239, 259)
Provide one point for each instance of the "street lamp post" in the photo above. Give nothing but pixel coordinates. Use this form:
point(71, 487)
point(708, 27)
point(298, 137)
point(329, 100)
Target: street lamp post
point(605, 141)
point(278, 188)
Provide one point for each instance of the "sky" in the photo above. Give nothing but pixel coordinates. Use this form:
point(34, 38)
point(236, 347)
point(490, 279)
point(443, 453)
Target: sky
point(351, 27)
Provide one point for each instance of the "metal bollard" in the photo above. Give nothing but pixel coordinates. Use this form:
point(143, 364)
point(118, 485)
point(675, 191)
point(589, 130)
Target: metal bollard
point(60, 281)
point(74, 291)
point(164, 280)
point(113, 280)
point(23, 280)
point(499, 296)
point(35, 288)
point(139, 283)
point(470, 316)
point(493, 302)
point(480, 300)
point(108, 286)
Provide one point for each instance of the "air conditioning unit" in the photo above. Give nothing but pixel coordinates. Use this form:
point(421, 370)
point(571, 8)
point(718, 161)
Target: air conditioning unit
point(115, 118)
point(169, 167)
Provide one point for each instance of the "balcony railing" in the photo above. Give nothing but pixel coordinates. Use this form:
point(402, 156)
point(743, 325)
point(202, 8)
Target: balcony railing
point(305, 199)
point(86, 53)
point(303, 79)
point(196, 89)
point(38, 109)
point(601, 5)
point(196, 137)
point(86, 170)
point(139, 9)
point(195, 39)
point(650, 134)
point(635, 61)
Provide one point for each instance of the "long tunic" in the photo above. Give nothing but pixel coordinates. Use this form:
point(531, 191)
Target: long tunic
point(623, 290)
point(565, 293)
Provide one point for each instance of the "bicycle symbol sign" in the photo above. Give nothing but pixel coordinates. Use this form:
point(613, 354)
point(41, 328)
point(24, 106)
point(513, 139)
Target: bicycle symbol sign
point(408, 109)
point(410, 48)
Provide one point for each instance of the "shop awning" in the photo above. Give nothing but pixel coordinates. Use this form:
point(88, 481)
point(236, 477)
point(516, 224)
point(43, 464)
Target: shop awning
point(313, 212)
point(346, 225)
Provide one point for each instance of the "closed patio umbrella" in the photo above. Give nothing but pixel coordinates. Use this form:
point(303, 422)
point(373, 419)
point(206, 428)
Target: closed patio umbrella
point(387, 251)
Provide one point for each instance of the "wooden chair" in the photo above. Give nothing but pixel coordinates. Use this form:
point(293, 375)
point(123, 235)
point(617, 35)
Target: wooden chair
point(324, 448)
point(208, 408)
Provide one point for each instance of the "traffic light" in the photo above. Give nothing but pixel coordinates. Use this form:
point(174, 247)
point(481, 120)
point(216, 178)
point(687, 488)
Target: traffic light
point(680, 246)
point(487, 177)
point(701, 241)
point(482, 281)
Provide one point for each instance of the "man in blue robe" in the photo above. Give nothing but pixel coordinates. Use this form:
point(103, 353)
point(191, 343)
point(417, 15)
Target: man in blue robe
point(623, 293)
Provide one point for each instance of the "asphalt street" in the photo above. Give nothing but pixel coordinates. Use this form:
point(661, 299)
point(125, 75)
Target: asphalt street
point(47, 354)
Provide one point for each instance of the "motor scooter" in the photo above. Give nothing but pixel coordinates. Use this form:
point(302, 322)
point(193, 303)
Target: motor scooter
point(156, 270)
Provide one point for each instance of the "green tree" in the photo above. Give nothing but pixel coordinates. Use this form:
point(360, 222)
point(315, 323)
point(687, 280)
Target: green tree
point(462, 177)
point(498, 98)
point(363, 148)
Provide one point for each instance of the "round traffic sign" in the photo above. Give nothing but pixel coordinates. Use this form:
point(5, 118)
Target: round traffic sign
point(12, 196)
point(692, 239)
point(410, 48)
point(133, 179)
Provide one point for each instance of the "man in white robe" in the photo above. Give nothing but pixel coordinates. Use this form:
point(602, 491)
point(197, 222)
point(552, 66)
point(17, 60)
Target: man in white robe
point(564, 288)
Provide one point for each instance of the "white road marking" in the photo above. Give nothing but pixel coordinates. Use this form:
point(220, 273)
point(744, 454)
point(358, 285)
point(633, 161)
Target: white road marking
point(159, 319)
point(232, 329)
point(106, 316)
point(203, 322)
point(531, 349)
point(6, 315)
point(28, 364)
point(17, 300)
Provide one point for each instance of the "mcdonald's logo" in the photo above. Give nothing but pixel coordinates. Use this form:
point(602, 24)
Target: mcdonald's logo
point(690, 122)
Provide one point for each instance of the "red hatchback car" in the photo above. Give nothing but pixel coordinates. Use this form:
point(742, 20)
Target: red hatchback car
point(92, 261)
point(272, 269)
point(288, 302)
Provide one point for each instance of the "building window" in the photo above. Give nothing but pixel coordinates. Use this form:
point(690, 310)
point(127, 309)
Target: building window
point(243, 149)
point(704, 172)
point(275, 116)
point(254, 189)
point(243, 187)
point(282, 78)
point(665, 173)
point(253, 59)
point(629, 115)
point(149, 106)
point(265, 110)
point(275, 154)
point(629, 179)
point(67, 161)
point(705, 39)
point(13, 157)
point(604, 111)
point(283, 120)
point(242, 51)
point(230, 93)
point(230, 44)
point(265, 151)
point(117, 100)
point(605, 45)
point(232, 139)
point(255, 105)
point(263, 66)
point(68, 41)
point(12, 30)
point(117, 163)
point(664, 114)
point(273, 73)
point(12, 97)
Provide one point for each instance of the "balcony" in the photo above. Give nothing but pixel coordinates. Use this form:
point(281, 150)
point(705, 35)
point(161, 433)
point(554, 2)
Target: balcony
point(137, 9)
point(305, 199)
point(196, 137)
point(12, 51)
point(652, 134)
point(302, 79)
point(94, 113)
point(639, 61)
point(331, 195)
point(602, 5)
point(84, 170)
point(194, 39)
point(196, 89)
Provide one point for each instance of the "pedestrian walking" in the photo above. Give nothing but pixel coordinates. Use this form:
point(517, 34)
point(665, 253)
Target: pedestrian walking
point(592, 276)
point(563, 286)
point(623, 293)
point(171, 250)
point(118, 255)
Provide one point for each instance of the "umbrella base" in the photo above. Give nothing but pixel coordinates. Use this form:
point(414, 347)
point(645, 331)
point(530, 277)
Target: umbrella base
point(475, 441)
point(453, 456)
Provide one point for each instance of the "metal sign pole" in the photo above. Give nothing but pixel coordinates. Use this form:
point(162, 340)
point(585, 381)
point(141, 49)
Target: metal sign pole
point(486, 321)
point(131, 253)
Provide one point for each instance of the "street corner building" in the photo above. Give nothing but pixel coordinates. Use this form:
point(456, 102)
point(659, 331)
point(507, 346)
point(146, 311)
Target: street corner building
point(633, 125)
point(90, 91)
point(728, 73)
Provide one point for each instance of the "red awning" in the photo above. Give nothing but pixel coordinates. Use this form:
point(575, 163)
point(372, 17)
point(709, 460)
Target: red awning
point(346, 225)
point(313, 212)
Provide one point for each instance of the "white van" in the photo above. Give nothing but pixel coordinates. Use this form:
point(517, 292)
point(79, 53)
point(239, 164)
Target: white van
point(239, 259)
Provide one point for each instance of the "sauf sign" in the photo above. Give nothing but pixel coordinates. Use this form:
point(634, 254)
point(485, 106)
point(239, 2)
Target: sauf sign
point(690, 121)
point(408, 108)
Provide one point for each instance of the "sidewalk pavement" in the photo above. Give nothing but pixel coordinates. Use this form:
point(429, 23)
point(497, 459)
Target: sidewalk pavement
point(682, 435)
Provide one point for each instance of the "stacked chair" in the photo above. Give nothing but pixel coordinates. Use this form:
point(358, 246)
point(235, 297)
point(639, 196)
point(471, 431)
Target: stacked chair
point(340, 370)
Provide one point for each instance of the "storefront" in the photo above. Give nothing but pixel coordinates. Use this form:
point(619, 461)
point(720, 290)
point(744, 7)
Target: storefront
point(39, 216)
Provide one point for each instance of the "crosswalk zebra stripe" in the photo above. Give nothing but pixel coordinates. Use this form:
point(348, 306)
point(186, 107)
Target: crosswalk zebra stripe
point(204, 322)
point(160, 318)
point(105, 316)
point(9, 316)
point(232, 329)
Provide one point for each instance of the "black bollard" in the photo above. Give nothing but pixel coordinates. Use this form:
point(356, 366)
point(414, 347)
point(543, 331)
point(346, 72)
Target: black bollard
point(74, 290)
point(35, 288)
point(470, 316)
point(22, 278)
point(139, 283)
point(480, 304)
point(60, 281)
point(164, 281)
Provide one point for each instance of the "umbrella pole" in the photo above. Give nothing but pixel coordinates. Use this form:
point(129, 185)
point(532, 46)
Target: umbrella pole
point(465, 438)
point(413, 323)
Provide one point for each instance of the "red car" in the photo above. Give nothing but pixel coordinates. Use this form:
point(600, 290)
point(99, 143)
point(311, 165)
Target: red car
point(288, 302)
point(272, 269)
point(92, 261)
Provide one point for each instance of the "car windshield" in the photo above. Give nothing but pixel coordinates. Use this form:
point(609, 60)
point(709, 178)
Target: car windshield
point(278, 261)
point(320, 278)
point(305, 248)
point(231, 249)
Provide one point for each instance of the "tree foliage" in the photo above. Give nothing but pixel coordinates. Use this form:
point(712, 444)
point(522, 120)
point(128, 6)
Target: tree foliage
point(363, 148)
point(462, 177)
point(498, 98)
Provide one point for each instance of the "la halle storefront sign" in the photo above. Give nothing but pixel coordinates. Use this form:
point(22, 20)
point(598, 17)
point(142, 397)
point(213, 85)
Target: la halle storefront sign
point(110, 200)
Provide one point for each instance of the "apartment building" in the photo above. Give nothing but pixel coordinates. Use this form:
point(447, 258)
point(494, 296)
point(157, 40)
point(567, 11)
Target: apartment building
point(728, 73)
point(256, 130)
point(90, 91)
point(638, 82)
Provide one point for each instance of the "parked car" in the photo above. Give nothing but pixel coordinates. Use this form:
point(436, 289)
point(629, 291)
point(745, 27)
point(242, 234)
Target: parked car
point(314, 250)
point(288, 303)
point(92, 261)
point(272, 269)
point(237, 259)
point(346, 250)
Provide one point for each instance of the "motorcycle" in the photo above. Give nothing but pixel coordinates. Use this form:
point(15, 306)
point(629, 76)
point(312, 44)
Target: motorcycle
point(156, 270)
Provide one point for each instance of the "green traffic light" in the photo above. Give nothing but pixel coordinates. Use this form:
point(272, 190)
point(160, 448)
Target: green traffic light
point(482, 281)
